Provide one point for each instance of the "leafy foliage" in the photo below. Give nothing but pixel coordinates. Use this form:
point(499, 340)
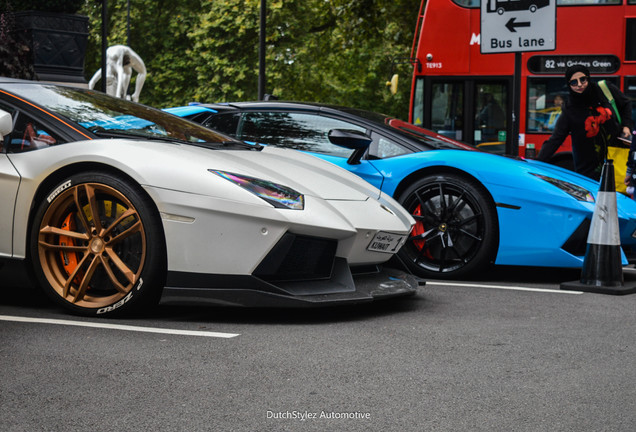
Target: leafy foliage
point(14, 54)
point(337, 52)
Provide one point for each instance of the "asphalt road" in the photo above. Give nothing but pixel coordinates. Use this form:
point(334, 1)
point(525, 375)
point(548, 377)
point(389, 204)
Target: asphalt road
point(509, 352)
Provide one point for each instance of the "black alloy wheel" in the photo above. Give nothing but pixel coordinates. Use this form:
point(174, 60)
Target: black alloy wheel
point(456, 232)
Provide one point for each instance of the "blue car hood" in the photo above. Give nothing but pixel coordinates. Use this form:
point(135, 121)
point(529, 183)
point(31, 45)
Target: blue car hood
point(509, 180)
point(506, 172)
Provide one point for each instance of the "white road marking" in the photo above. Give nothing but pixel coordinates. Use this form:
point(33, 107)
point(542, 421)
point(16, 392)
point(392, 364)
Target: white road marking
point(117, 327)
point(504, 287)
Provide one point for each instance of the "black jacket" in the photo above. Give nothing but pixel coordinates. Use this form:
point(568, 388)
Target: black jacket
point(588, 152)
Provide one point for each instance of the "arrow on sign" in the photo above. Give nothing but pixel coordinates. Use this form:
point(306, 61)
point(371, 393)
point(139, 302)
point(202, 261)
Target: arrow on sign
point(512, 25)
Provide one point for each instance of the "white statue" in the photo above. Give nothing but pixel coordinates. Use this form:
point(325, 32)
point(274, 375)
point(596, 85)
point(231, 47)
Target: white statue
point(121, 60)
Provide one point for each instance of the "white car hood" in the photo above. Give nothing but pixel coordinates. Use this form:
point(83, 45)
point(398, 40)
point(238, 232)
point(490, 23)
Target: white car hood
point(304, 173)
point(154, 164)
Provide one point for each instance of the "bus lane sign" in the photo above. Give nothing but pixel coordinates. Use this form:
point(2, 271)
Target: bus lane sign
point(517, 26)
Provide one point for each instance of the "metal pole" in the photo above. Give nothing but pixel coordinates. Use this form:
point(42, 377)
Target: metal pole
point(516, 106)
point(104, 42)
point(261, 52)
point(128, 23)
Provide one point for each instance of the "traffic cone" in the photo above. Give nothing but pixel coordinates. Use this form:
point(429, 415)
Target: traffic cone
point(602, 266)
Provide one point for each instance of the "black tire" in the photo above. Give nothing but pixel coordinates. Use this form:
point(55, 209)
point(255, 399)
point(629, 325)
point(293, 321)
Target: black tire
point(456, 233)
point(115, 268)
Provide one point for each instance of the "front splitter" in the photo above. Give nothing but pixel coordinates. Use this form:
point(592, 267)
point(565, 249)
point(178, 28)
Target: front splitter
point(248, 291)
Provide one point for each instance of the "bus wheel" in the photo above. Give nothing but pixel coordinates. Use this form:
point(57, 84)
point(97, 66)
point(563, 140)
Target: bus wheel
point(456, 232)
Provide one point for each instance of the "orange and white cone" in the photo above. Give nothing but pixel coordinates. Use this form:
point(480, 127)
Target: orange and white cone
point(602, 266)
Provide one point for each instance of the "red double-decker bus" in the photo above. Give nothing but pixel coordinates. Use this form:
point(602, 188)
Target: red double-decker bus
point(464, 94)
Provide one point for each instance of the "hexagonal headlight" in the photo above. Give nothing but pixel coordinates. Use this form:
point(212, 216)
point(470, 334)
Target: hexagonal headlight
point(275, 194)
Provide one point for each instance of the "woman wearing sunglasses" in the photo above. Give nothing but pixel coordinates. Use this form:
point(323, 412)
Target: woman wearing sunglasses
point(591, 121)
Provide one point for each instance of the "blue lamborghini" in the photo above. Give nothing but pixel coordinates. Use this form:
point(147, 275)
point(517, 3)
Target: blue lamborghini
point(472, 208)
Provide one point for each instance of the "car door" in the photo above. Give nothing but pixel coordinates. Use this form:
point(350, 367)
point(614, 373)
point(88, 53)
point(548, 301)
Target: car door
point(308, 132)
point(28, 134)
point(9, 182)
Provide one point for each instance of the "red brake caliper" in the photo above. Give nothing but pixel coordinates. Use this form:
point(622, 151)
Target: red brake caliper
point(418, 230)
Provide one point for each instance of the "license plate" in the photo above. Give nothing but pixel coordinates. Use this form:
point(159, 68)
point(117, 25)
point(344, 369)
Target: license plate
point(386, 242)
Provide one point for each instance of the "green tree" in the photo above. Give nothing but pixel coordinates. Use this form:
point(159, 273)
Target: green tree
point(336, 52)
point(158, 35)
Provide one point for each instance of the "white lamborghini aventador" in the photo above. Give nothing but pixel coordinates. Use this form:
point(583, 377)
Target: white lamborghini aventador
point(117, 205)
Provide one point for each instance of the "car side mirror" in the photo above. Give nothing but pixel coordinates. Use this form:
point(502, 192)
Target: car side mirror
point(352, 139)
point(6, 123)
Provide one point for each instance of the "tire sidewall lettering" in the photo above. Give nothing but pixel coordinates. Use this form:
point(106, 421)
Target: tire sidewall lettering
point(121, 302)
point(117, 305)
point(58, 190)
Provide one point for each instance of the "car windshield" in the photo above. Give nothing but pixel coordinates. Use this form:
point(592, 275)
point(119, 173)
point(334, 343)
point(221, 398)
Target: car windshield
point(109, 116)
point(426, 137)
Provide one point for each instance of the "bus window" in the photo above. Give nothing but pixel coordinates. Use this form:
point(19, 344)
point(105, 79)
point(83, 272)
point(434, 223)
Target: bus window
point(468, 3)
point(588, 2)
point(630, 92)
point(630, 36)
point(447, 109)
point(477, 3)
point(545, 98)
point(418, 102)
point(490, 127)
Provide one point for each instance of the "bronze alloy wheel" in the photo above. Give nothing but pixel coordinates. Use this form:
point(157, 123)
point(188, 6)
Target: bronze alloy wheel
point(94, 244)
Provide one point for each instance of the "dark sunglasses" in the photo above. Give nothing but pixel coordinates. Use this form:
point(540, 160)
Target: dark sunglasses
point(579, 81)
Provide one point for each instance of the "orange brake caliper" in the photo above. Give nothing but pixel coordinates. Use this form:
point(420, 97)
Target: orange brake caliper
point(69, 259)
